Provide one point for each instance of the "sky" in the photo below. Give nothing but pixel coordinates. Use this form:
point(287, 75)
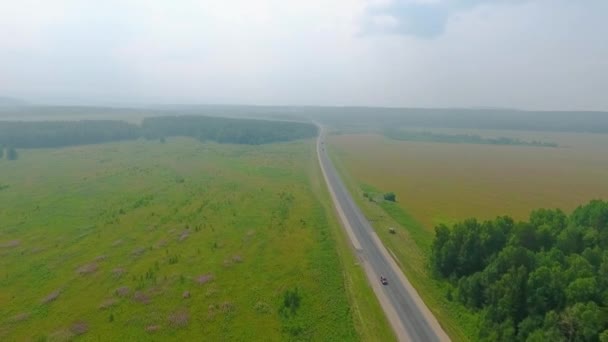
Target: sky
point(527, 54)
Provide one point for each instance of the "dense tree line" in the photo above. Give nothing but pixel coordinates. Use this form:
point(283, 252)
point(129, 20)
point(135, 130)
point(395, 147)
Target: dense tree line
point(460, 138)
point(227, 130)
point(22, 134)
point(345, 117)
point(541, 280)
point(68, 133)
point(484, 118)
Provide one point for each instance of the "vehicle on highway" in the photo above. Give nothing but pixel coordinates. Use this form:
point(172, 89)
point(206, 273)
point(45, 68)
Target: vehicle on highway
point(383, 280)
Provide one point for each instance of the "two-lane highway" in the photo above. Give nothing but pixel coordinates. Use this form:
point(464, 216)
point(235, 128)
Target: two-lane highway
point(408, 315)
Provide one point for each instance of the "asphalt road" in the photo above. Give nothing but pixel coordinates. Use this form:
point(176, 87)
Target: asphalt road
point(410, 318)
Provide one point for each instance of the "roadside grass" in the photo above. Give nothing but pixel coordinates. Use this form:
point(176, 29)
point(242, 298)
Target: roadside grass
point(369, 318)
point(148, 241)
point(410, 246)
point(444, 183)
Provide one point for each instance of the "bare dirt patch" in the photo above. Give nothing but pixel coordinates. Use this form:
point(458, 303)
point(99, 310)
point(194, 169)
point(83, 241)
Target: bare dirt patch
point(138, 251)
point(51, 297)
point(179, 319)
point(101, 258)
point(118, 272)
point(10, 244)
point(88, 268)
point(79, 328)
point(205, 278)
point(108, 303)
point(122, 291)
point(153, 328)
point(61, 335)
point(141, 297)
point(20, 317)
point(183, 236)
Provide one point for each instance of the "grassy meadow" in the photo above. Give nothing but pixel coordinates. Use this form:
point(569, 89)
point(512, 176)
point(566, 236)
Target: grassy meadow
point(188, 241)
point(441, 183)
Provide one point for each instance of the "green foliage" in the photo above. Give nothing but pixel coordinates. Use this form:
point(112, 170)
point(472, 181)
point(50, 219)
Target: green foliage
point(604, 336)
point(390, 196)
point(354, 118)
point(545, 279)
point(291, 302)
point(460, 138)
point(64, 133)
point(173, 260)
point(11, 154)
point(225, 130)
point(222, 130)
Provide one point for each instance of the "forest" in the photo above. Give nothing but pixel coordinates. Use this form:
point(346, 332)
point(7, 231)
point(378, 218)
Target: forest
point(35, 134)
point(225, 130)
point(425, 136)
point(541, 280)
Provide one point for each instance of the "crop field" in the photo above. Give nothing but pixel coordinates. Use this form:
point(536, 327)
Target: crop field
point(147, 241)
point(441, 183)
point(437, 182)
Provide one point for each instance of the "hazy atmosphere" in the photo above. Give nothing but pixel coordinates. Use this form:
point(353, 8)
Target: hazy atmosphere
point(545, 54)
point(277, 170)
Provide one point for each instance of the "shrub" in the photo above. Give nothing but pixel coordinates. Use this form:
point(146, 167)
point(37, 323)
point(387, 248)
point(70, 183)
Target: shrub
point(390, 196)
point(291, 302)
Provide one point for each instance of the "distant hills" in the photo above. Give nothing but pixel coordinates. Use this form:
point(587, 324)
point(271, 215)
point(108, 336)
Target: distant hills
point(11, 102)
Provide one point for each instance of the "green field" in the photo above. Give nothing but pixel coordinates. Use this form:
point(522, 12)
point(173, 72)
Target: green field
point(442, 183)
point(148, 241)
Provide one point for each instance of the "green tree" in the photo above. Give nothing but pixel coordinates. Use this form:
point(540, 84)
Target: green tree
point(604, 336)
point(542, 280)
point(390, 196)
point(582, 290)
point(443, 256)
point(529, 326)
point(507, 298)
point(11, 154)
point(582, 322)
point(471, 290)
point(545, 290)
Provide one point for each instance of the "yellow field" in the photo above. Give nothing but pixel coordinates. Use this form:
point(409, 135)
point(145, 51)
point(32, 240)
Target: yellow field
point(441, 183)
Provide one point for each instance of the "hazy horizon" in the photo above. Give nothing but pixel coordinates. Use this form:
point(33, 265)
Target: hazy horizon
point(515, 54)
